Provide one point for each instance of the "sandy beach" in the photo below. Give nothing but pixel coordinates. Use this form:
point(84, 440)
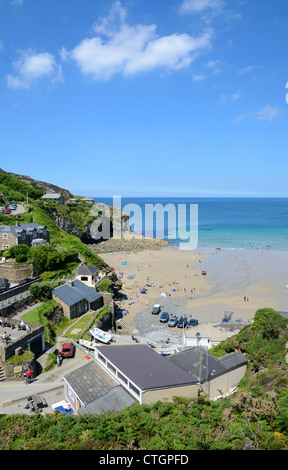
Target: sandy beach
point(237, 280)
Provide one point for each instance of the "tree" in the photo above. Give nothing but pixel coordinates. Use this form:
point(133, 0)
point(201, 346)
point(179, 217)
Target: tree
point(46, 258)
point(41, 291)
point(17, 250)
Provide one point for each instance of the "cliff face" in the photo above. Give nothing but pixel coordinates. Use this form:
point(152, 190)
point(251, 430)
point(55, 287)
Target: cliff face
point(84, 222)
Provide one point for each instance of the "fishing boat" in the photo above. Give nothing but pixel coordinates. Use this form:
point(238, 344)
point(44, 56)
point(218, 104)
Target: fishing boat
point(87, 344)
point(101, 335)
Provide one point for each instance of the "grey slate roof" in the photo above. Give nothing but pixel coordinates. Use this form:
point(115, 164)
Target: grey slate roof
point(97, 390)
point(88, 270)
point(90, 382)
point(145, 367)
point(190, 361)
point(71, 295)
point(52, 196)
point(114, 400)
point(17, 230)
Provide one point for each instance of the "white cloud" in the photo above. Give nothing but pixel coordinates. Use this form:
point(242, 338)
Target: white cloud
point(133, 49)
point(198, 77)
point(268, 113)
point(228, 98)
point(198, 6)
point(249, 69)
point(32, 67)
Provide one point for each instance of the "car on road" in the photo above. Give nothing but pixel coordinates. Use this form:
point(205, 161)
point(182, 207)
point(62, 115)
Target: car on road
point(68, 350)
point(182, 322)
point(7, 211)
point(3, 283)
point(173, 321)
point(28, 279)
point(156, 309)
point(164, 317)
point(192, 322)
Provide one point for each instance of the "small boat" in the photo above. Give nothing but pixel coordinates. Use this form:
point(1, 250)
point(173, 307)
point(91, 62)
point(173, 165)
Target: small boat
point(87, 344)
point(101, 335)
point(204, 273)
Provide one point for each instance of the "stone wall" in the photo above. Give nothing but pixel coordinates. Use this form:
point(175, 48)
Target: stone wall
point(8, 240)
point(15, 370)
point(15, 272)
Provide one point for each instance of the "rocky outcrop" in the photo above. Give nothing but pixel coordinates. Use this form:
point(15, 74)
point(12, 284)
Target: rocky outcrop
point(131, 244)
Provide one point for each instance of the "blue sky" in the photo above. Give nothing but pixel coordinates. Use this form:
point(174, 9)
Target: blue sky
point(145, 97)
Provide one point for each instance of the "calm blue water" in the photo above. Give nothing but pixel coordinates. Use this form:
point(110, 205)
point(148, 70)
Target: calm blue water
point(223, 222)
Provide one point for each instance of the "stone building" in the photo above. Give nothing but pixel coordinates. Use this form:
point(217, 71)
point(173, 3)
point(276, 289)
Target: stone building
point(22, 234)
point(76, 298)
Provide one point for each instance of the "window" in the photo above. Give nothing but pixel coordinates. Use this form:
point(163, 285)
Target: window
point(134, 389)
point(23, 236)
point(110, 367)
point(84, 278)
point(122, 378)
point(101, 358)
point(5, 247)
point(5, 236)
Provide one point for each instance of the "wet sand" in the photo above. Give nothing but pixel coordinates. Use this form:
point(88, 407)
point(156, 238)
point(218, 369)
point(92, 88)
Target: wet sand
point(259, 275)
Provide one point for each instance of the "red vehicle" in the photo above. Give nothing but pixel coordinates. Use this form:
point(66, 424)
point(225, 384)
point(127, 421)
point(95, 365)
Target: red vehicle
point(7, 211)
point(68, 350)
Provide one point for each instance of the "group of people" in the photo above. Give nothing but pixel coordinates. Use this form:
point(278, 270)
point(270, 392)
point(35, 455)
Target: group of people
point(21, 326)
point(24, 327)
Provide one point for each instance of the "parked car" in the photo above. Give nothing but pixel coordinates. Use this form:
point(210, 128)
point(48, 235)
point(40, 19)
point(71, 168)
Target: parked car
point(7, 211)
point(182, 322)
point(3, 283)
point(164, 317)
point(26, 280)
point(68, 350)
point(173, 321)
point(192, 322)
point(156, 309)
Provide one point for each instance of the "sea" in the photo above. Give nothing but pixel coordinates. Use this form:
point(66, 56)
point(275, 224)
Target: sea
point(220, 222)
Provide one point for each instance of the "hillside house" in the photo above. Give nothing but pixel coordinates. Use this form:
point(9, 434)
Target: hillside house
point(76, 298)
point(55, 197)
point(22, 234)
point(89, 275)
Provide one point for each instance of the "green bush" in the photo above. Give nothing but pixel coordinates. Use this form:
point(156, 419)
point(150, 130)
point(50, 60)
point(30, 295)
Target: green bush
point(17, 250)
point(46, 257)
point(21, 258)
point(41, 291)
